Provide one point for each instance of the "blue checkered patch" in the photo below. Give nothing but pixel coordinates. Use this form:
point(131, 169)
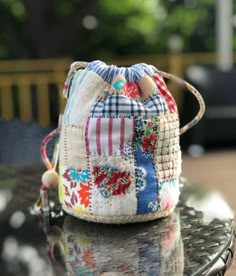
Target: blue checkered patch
point(120, 105)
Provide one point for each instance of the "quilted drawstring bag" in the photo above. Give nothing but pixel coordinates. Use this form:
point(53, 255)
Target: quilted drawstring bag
point(79, 248)
point(118, 143)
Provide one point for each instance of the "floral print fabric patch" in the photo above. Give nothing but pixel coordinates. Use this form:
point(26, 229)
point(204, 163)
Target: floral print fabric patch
point(113, 186)
point(111, 181)
point(147, 183)
point(76, 186)
point(146, 135)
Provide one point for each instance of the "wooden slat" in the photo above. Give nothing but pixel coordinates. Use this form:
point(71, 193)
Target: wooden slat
point(25, 103)
point(35, 65)
point(43, 102)
point(62, 101)
point(176, 68)
point(59, 79)
point(6, 100)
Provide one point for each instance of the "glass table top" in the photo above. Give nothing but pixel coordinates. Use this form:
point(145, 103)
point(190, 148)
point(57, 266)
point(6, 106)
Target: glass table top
point(197, 239)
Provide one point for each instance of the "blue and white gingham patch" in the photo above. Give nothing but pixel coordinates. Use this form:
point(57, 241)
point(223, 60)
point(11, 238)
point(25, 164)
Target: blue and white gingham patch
point(120, 105)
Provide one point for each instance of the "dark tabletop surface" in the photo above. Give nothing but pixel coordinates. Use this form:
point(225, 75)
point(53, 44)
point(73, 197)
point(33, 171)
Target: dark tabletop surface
point(197, 239)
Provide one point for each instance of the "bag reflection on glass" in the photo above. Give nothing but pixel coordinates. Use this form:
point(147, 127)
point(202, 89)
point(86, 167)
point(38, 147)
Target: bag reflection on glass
point(153, 248)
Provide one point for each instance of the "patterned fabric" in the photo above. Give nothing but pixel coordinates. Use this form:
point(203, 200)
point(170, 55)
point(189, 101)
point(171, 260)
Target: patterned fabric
point(108, 73)
point(108, 135)
point(164, 91)
point(113, 190)
point(119, 149)
point(132, 91)
point(168, 195)
point(120, 105)
point(147, 186)
point(146, 132)
point(111, 181)
point(76, 189)
point(167, 154)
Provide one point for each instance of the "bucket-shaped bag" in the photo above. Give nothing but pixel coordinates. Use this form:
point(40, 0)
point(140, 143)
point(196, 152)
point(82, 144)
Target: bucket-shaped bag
point(119, 151)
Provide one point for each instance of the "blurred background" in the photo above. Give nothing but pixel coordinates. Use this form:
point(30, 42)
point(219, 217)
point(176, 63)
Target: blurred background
point(193, 39)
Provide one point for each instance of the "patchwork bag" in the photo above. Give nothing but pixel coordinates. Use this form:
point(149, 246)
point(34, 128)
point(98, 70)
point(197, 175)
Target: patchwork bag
point(119, 151)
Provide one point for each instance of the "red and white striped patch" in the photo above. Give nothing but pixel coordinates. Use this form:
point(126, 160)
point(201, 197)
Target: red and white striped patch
point(164, 91)
point(108, 135)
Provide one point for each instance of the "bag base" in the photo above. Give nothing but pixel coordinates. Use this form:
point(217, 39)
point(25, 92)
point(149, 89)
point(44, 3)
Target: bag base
point(119, 219)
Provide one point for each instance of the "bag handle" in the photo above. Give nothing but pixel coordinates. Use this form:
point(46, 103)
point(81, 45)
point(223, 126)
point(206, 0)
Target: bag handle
point(51, 165)
point(194, 91)
point(75, 66)
point(50, 176)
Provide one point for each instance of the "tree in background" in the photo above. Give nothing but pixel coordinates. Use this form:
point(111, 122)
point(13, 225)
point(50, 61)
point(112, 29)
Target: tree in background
point(104, 28)
point(42, 28)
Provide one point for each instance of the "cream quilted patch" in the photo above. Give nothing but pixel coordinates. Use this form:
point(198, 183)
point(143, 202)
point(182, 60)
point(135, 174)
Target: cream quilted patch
point(167, 155)
point(72, 147)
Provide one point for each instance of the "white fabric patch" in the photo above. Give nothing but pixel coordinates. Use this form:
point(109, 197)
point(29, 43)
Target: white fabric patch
point(83, 93)
point(113, 205)
point(109, 135)
point(72, 147)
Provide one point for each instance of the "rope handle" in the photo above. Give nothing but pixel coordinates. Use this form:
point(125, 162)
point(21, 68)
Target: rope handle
point(75, 66)
point(194, 91)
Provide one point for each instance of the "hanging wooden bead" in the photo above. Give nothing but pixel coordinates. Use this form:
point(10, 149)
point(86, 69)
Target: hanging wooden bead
point(50, 179)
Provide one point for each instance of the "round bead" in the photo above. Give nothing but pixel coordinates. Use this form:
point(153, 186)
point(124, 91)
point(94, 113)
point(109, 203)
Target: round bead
point(50, 178)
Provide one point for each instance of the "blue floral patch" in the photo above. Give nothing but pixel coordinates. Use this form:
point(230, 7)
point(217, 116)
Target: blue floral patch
point(145, 193)
point(140, 174)
point(79, 175)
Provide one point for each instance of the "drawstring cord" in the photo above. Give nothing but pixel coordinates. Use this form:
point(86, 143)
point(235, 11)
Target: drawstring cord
point(54, 134)
point(75, 66)
point(195, 93)
point(50, 178)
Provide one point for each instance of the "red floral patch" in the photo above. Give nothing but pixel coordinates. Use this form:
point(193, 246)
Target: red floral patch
point(84, 194)
point(111, 181)
point(74, 199)
point(149, 142)
point(131, 90)
point(66, 175)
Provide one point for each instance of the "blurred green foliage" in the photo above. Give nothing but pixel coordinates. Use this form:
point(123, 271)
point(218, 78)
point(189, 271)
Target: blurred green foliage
point(8, 176)
point(105, 28)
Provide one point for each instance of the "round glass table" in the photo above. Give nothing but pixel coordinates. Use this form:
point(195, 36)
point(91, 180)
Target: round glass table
point(197, 239)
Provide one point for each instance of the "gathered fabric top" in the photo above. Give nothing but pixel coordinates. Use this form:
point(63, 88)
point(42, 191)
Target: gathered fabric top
point(133, 73)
